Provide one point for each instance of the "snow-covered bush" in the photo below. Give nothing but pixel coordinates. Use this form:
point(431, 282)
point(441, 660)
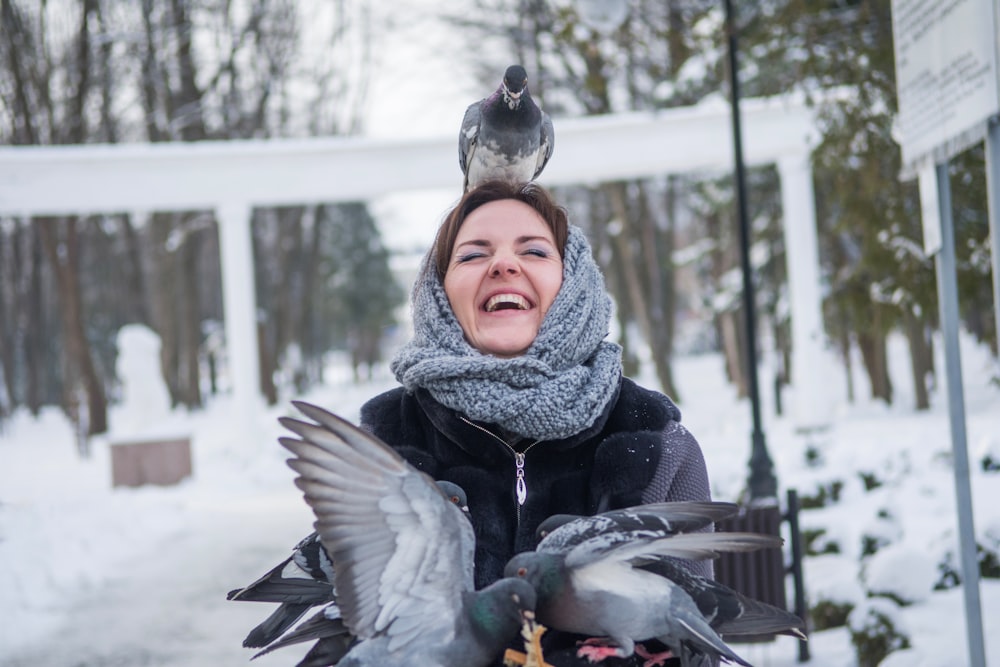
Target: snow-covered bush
point(902, 573)
point(814, 457)
point(870, 480)
point(882, 531)
point(815, 541)
point(824, 494)
point(950, 569)
point(826, 614)
point(877, 630)
point(988, 453)
point(989, 549)
point(834, 593)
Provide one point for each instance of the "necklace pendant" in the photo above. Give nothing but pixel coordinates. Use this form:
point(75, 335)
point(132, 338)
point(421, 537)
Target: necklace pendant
point(520, 486)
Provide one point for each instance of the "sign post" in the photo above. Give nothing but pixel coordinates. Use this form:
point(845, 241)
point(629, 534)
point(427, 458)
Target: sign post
point(948, 91)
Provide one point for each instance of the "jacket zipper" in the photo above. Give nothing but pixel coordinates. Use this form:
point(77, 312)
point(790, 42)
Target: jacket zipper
point(520, 485)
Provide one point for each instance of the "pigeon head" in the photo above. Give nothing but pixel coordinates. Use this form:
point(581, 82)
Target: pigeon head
point(455, 494)
point(553, 522)
point(515, 82)
point(503, 607)
point(545, 572)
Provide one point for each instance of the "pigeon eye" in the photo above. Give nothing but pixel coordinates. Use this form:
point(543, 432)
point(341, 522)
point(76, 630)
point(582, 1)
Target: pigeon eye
point(454, 499)
point(521, 571)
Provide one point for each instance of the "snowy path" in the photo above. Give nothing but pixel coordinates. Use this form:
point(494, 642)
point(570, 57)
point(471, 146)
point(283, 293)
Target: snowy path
point(169, 607)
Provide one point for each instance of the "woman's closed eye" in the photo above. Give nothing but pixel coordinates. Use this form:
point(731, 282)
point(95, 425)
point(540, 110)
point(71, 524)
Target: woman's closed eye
point(468, 257)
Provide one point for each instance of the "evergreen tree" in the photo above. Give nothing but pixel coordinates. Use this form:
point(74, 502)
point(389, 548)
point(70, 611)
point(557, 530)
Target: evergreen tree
point(363, 294)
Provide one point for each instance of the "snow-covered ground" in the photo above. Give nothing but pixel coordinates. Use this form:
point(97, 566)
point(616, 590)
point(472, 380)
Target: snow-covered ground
point(97, 576)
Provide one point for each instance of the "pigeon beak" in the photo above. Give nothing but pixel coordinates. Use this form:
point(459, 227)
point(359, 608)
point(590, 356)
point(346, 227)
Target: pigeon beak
point(513, 94)
point(528, 614)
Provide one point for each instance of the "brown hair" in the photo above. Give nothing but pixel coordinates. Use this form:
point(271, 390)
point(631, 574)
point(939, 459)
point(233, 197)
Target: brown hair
point(531, 194)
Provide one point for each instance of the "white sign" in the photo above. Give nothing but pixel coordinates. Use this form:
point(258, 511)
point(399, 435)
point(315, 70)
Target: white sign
point(930, 208)
point(946, 75)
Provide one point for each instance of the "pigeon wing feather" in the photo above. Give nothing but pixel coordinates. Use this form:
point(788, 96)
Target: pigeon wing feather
point(468, 135)
point(641, 522)
point(395, 540)
point(692, 546)
point(546, 144)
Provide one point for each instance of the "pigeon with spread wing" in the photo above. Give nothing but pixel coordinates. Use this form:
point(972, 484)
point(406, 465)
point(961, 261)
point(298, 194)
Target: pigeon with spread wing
point(402, 553)
point(596, 576)
point(304, 581)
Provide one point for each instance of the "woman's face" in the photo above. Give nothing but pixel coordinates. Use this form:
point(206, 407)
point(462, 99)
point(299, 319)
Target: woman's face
point(503, 275)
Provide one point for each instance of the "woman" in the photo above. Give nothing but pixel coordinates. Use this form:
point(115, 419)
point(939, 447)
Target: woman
point(510, 389)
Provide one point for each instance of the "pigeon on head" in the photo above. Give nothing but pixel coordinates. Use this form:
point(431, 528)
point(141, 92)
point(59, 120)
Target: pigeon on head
point(505, 135)
point(402, 553)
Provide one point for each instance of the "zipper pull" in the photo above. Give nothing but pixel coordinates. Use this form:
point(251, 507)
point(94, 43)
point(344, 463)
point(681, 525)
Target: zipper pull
point(522, 489)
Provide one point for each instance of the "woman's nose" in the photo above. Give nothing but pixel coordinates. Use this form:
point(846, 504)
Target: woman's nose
point(504, 264)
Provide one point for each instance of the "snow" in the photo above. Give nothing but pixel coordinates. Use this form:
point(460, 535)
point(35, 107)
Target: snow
point(94, 575)
point(904, 573)
point(139, 359)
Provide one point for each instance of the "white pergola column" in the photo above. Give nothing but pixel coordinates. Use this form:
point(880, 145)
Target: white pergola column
point(240, 309)
point(811, 409)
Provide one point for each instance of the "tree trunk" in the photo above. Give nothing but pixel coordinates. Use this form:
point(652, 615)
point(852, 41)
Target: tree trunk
point(34, 328)
point(312, 358)
point(921, 357)
point(164, 271)
point(873, 353)
point(10, 323)
point(729, 326)
point(628, 262)
point(136, 280)
point(63, 253)
point(188, 311)
point(658, 251)
point(186, 105)
point(607, 255)
point(267, 386)
point(729, 330)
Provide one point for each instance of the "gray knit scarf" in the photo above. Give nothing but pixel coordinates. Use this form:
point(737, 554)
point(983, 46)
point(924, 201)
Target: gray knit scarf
point(557, 388)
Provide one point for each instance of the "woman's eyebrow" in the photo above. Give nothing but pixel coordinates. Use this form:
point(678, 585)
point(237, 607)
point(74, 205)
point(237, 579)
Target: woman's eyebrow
point(482, 243)
point(520, 240)
point(531, 239)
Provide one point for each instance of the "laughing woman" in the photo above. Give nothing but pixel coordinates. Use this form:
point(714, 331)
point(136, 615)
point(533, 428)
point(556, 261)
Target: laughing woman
point(510, 389)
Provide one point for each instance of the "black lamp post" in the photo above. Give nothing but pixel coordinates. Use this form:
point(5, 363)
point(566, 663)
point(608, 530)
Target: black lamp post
point(608, 15)
point(762, 482)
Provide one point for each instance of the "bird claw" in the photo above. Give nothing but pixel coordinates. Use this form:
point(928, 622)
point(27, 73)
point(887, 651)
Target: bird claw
point(652, 659)
point(597, 649)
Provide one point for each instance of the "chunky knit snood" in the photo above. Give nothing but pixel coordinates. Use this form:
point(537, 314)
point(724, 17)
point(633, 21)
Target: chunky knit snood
point(557, 388)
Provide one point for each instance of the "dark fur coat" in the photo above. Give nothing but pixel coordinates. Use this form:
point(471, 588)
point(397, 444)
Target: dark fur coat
point(607, 466)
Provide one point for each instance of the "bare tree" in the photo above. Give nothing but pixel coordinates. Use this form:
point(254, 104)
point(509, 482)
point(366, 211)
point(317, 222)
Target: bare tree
point(61, 242)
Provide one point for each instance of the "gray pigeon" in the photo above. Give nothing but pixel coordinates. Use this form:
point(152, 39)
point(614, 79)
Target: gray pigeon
point(591, 577)
point(402, 553)
point(333, 639)
point(728, 612)
point(505, 135)
point(298, 583)
point(303, 581)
